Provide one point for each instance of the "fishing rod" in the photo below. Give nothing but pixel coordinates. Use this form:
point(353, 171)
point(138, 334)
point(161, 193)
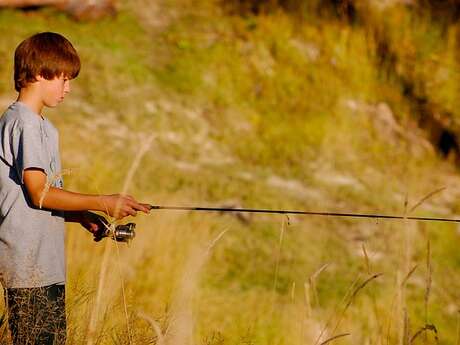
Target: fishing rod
point(125, 233)
point(309, 213)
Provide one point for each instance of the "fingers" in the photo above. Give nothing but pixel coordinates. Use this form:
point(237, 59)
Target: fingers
point(121, 206)
point(147, 207)
point(125, 212)
point(141, 207)
point(133, 206)
point(131, 212)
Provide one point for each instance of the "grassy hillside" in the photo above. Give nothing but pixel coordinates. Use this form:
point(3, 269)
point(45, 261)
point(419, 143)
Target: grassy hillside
point(265, 111)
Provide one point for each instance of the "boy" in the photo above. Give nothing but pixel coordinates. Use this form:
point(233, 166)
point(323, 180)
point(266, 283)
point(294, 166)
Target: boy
point(33, 205)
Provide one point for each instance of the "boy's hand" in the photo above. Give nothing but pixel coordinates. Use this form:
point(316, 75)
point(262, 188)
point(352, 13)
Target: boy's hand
point(95, 224)
point(120, 206)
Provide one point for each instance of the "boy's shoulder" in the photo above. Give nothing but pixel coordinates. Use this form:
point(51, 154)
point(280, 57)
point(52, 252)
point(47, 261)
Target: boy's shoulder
point(18, 115)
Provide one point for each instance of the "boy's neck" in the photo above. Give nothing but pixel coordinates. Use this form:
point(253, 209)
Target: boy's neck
point(31, 99)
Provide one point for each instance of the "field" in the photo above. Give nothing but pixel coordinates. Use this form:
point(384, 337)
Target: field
point(194, 104)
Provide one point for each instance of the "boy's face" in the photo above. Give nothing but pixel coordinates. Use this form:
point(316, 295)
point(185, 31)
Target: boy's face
point(53, 91)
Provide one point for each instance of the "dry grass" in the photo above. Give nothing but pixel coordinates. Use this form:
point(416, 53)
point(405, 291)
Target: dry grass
point(424, 330)
point(457, 340)
point(92, 328)
point(278, 252)
point(429, 278)
point(327, 341)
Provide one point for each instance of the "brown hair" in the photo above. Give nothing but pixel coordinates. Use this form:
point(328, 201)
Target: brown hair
point(46, 54)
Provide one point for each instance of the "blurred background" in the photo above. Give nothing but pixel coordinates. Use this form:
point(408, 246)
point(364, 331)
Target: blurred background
point(320, 105)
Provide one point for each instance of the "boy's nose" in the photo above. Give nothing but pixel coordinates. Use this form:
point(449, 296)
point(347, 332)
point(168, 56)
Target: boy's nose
point(67, 87)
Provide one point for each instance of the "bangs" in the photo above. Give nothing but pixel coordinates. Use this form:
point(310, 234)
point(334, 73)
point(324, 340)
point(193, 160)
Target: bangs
point(67, 65)
point(57, 60)
point(70, 66)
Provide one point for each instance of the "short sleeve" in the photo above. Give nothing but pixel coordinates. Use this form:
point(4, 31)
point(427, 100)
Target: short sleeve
point(28, 150)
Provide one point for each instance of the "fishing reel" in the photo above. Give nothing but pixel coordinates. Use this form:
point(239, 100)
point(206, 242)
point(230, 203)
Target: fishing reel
point(124, 233)
point(121, 233)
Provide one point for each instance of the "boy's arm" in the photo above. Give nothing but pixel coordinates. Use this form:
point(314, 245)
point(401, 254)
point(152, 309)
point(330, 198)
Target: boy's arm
point(92, 222)
point(118, 206)
point(73, 216)
point(79, 216)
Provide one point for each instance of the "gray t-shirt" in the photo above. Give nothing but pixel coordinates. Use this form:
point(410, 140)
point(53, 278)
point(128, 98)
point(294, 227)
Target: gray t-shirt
point(31, 239)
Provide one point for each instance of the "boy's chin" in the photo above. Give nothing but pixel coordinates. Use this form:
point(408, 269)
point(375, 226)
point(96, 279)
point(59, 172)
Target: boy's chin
point(53, 104)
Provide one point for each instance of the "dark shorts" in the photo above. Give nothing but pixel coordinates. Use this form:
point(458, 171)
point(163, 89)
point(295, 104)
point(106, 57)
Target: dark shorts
point(37, 315)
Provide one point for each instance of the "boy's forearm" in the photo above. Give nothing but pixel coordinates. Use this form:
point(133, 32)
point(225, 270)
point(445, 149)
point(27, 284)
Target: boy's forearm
point(59, 199)
point(115, 205)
